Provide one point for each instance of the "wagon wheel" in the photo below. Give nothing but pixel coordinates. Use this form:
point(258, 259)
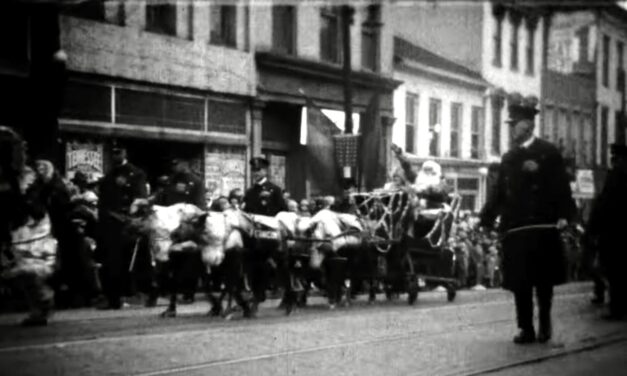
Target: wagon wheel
point(451, 292)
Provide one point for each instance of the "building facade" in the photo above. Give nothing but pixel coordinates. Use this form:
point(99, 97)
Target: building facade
point(166, 79)
point(439, 111)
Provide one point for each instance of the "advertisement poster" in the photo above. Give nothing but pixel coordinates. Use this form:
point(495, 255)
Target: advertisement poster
point(86, 157)
point(277, 170)
point(225, 169)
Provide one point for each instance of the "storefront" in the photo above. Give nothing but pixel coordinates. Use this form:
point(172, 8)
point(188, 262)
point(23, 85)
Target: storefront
point(156, 125)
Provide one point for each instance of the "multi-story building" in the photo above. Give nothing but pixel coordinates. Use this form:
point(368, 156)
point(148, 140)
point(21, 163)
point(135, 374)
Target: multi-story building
point(499, 42)
point(211, 81)
point(299, 55)
point(439, 111)
point(167, 79)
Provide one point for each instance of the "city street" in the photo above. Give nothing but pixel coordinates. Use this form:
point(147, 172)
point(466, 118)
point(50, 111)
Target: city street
point(470, 336)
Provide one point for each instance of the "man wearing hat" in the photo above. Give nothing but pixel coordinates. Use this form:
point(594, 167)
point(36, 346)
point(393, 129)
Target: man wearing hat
point(533, 199)
point(183, 186)
point(607, 224)
point(118, 189)
point(263, 198)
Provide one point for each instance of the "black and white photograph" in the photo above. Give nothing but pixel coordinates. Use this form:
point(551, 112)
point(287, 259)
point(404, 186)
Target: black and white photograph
point(313, 187)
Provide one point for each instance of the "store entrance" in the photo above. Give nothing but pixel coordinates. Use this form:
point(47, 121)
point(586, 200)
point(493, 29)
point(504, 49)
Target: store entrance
point(154, 157)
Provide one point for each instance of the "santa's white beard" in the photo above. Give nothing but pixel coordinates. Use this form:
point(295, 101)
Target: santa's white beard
point(424, 181)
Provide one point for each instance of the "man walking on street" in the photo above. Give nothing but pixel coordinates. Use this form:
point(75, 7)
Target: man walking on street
point(119, 188)
point(533, 199)
point(607, 224)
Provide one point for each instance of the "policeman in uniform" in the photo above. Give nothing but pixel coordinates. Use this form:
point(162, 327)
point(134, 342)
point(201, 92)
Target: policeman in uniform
point(263, 198)
point(184, 187)
point(607, 225)
point(533, 199)
point(118, 189)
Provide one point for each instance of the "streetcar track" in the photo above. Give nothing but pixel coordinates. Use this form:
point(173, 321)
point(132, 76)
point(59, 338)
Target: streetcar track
point(288, 353)
point(274, 321)
point(583, 346)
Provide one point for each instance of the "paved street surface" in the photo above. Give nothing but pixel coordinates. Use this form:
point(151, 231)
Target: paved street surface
point(471, 336)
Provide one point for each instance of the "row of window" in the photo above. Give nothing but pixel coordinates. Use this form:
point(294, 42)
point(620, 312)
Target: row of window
point(435, 127)
point(86, 101)
point(620, 69)
point(162, 19)
point(571, 131)
point(516, 20)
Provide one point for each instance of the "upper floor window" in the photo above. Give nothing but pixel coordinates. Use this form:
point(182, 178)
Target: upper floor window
point(330, 34)
point(497, 106)
point(531, 45)
point(161, 18)
point(222, 25)
point(284, 29)
point(476, 129)
point(605, 112)
point(411, 122)
point(515, 18)
point(370, 38)
point(606, 61)
point(435, 126)
point(499, 14)
point(456, 129)
point(620, 69)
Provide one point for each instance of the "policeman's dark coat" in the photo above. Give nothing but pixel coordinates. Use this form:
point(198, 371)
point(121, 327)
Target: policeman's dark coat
point(608, 220)
point(532, 188)
point(120, 187)
point(184, 187)
point(264, 199)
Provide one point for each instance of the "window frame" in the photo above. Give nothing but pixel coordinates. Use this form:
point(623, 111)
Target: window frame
point(410, 145)
point(605, 73)
point(476, 121)
point(497, 40)
point(289, 23)
point(620, 50)
point(435, 149)
point(531, 46)
point(334, 14)
point(456, 128)
point(226, 36)
point(155, 15)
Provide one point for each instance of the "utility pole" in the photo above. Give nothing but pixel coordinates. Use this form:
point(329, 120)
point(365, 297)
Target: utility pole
point(347, 20)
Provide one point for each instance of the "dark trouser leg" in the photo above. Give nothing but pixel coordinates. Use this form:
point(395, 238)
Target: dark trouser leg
point(524, 308)
point(259, 274)
point(618, 300)
point(39, 296)
point(599, 287)
point(544, 294)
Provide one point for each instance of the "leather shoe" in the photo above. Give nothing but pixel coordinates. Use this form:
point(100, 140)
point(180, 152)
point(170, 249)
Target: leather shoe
point(524, 337)
point(544, 336)
point(613, 316)
point(597, 301)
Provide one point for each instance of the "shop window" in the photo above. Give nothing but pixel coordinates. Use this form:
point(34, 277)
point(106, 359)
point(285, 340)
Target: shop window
point(284, 29)
point(435, 121)
point(227, 117)
point(468, 184)
point(161, 18)
point(476, 130)
point(223, 25)
point(86, 102)
point(468, 202)
point(456, 129)
point(330, 35)
point(160, 110)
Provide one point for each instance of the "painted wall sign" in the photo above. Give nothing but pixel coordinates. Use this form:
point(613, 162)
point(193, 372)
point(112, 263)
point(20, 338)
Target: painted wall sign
point(86, 157)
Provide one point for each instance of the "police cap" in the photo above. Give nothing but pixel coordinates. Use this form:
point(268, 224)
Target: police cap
point(257, 163)
point(520, 108)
